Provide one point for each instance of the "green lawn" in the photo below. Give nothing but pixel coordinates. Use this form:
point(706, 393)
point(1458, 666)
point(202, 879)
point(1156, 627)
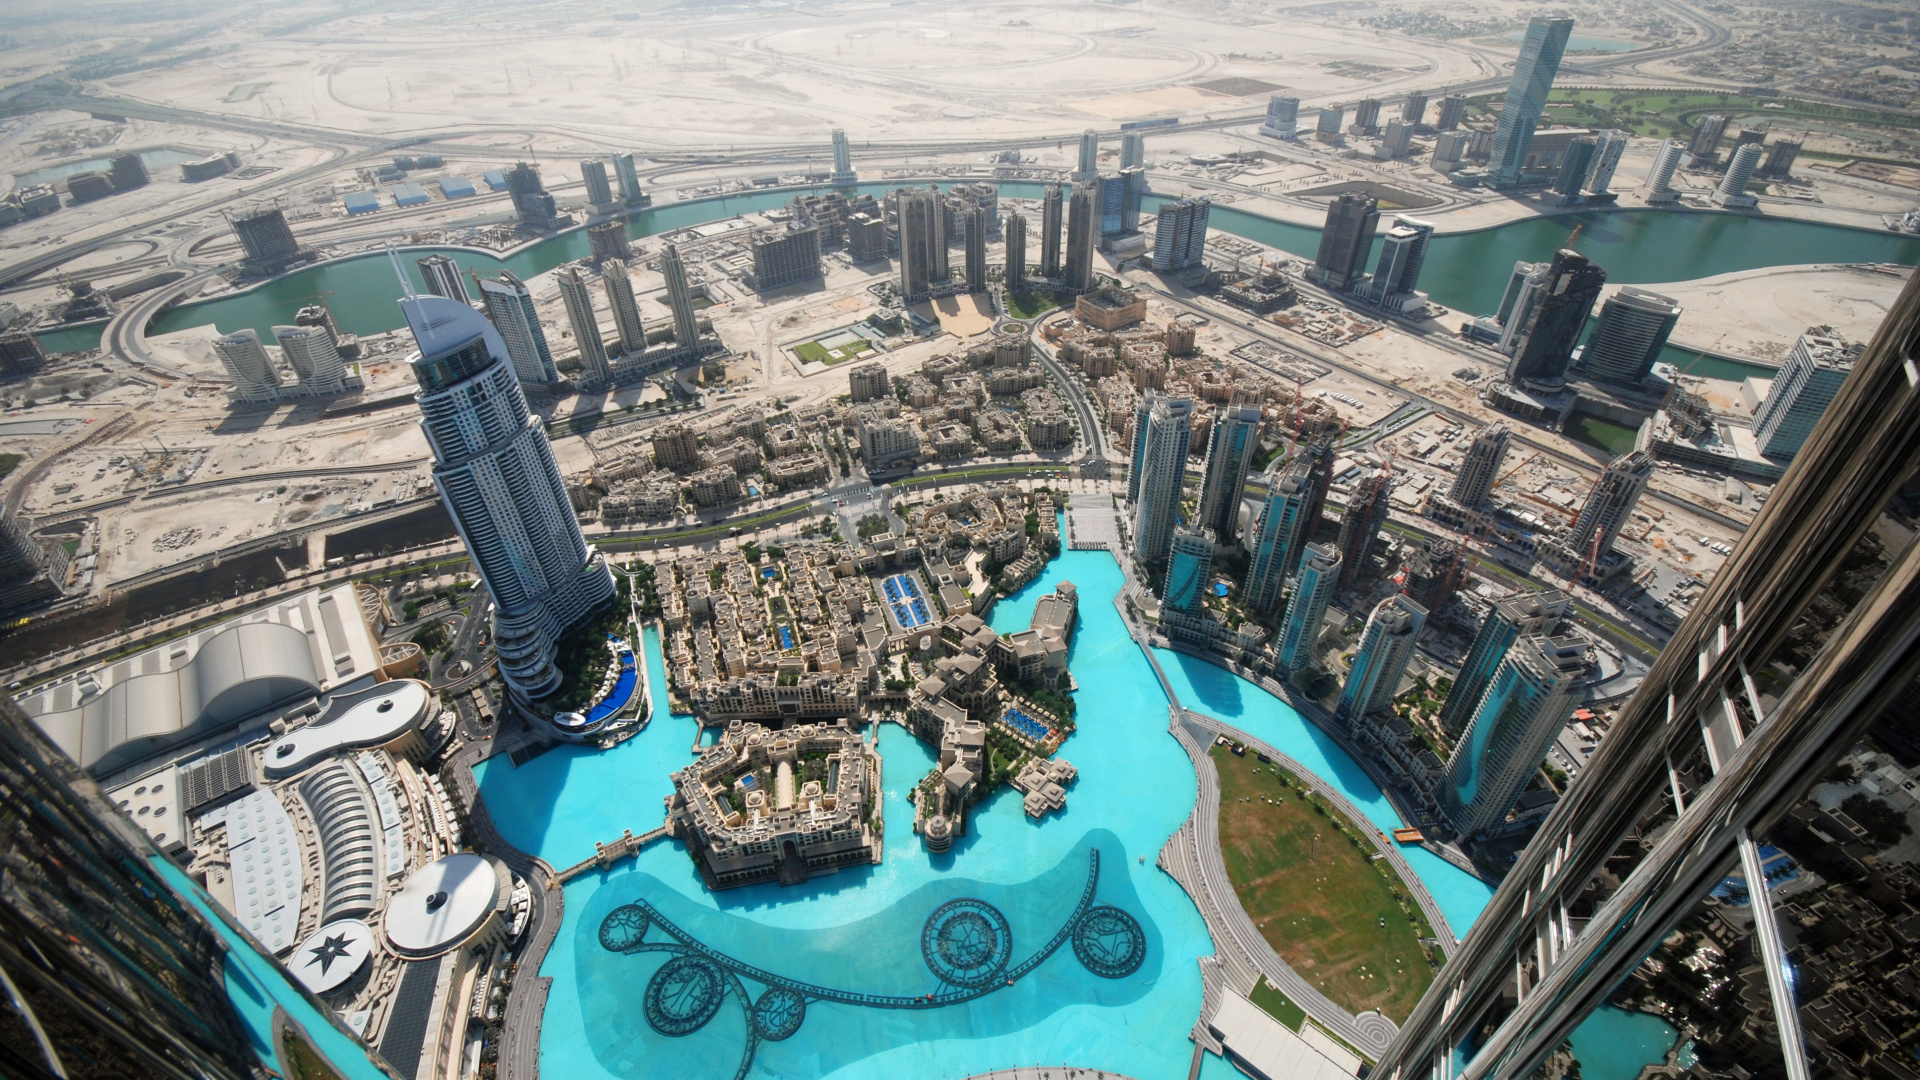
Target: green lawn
point(1669, 113)
point(1029, 304)
point(815, 353)
point(1275, 1004)
point(1344, 923)
point(9, 462)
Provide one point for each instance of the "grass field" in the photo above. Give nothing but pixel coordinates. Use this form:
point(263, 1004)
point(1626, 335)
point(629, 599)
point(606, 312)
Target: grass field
point(1275, 1004)
point(1026, 305)
point(8, 462)
point(813, 352)
point(1338, 919)
point(1668, 113)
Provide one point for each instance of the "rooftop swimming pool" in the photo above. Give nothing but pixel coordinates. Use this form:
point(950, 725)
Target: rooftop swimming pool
point(924, 965)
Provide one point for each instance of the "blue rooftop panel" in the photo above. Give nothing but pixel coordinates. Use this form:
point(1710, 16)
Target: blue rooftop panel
point(362, 202)
point(409, 195)
point(456, 187)
point(496, 179)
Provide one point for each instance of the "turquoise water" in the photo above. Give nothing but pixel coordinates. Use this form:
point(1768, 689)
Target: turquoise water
point(257, 985)
point(1466, 271)
point(1206, 688)
point(154, 160)
point(1614, 1043)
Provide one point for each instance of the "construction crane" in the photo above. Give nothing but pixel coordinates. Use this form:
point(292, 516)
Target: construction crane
point(1502, 478)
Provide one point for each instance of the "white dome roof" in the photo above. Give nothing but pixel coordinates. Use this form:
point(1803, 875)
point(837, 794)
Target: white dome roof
point(331, 954)
point(442, 904)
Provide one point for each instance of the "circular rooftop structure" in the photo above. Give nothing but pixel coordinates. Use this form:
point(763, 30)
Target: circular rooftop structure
point(374, 720)
point(444, 905)
point(332, 954)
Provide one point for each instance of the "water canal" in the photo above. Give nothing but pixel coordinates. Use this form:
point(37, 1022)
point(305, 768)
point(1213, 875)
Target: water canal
point(860, 930)
point(1464, 271)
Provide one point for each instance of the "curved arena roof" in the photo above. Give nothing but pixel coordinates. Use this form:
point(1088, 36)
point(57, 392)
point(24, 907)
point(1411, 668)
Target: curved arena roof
point(443, 904)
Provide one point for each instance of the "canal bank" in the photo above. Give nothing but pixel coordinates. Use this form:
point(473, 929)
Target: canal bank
point(1465, 271)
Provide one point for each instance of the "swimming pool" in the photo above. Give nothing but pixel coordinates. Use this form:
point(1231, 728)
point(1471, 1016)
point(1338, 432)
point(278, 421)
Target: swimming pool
point(1028, 726)
point(904, 600)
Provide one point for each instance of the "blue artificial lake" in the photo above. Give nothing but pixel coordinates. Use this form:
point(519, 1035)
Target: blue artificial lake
point(860, 931)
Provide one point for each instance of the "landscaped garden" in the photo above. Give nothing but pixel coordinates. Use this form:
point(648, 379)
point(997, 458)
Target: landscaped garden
point(1340, 919)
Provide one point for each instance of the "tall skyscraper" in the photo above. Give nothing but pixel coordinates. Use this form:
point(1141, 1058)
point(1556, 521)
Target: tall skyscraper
point(310, 352)
point(245, 358)
point(1189, 561)
point(1230, 445)
point(1453, 109)
point(1283, 117)
point(1611, 502)
point(531, 202)
point(1808, 382)
point(1732, 192)
point(1306, 611)
point(1279, 531)
point(1665, 161)
point(1161, 449)
point(843, 159)
point(1698, 768)
point(1366, 117)
point(1540, 53)
point(1536, 611)
point(578, 299)
point(509, 305)
point(782, 257)
point(978, 224)
point(1345, 241)
point(1319, 455)
point(1089, 156)
point(1113, 199)
point(686, 326)
point(1413, 109)
point(1705, 144)
point(1634, 326)
point(916, 210)
point(1573, 168)
point(1016, 273)
point(628, 171)
point(127, 172)
point(599, 189)
point(1388, 642)
point(608, 241)
point(1327, 127)
point(1478, 472)
point(266, 238)
point(32, 573)
point(1360, 526)
point(443, 278)
point(1609, 144)
point(937, 240)
point(1403, 251)
point(1180, 238)
point(626, 309)
point(497, 477)
point(1781, 154)
point(1133, 150)
point(1526, 703)
point(1558, 315)
point(1050, 223)
point(1083, 230)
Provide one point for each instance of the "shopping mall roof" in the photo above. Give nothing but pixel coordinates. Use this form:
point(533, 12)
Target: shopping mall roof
point(366, 720)
point(331, 955)
point(445, 903)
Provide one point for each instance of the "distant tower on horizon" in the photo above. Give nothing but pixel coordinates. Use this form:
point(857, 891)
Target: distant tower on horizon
point(1704, 147)
point(1133, 150)
point(443, 278)
point(843, 173)
point(1345, 241)
point(1660, 177)
point(628, 170)
point(1089, 156)
point(496, 474)
point(1453, 109)
point(1540, 52)
point(1388, 642)
point(1283, 117)
point(531, 202)
point(509, 305)
point(578, 300)
point(1163, 432)
point(1575, 166)
point(599, 189)
point(266, 238)
point(1609, 145)
point(1732, 192)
